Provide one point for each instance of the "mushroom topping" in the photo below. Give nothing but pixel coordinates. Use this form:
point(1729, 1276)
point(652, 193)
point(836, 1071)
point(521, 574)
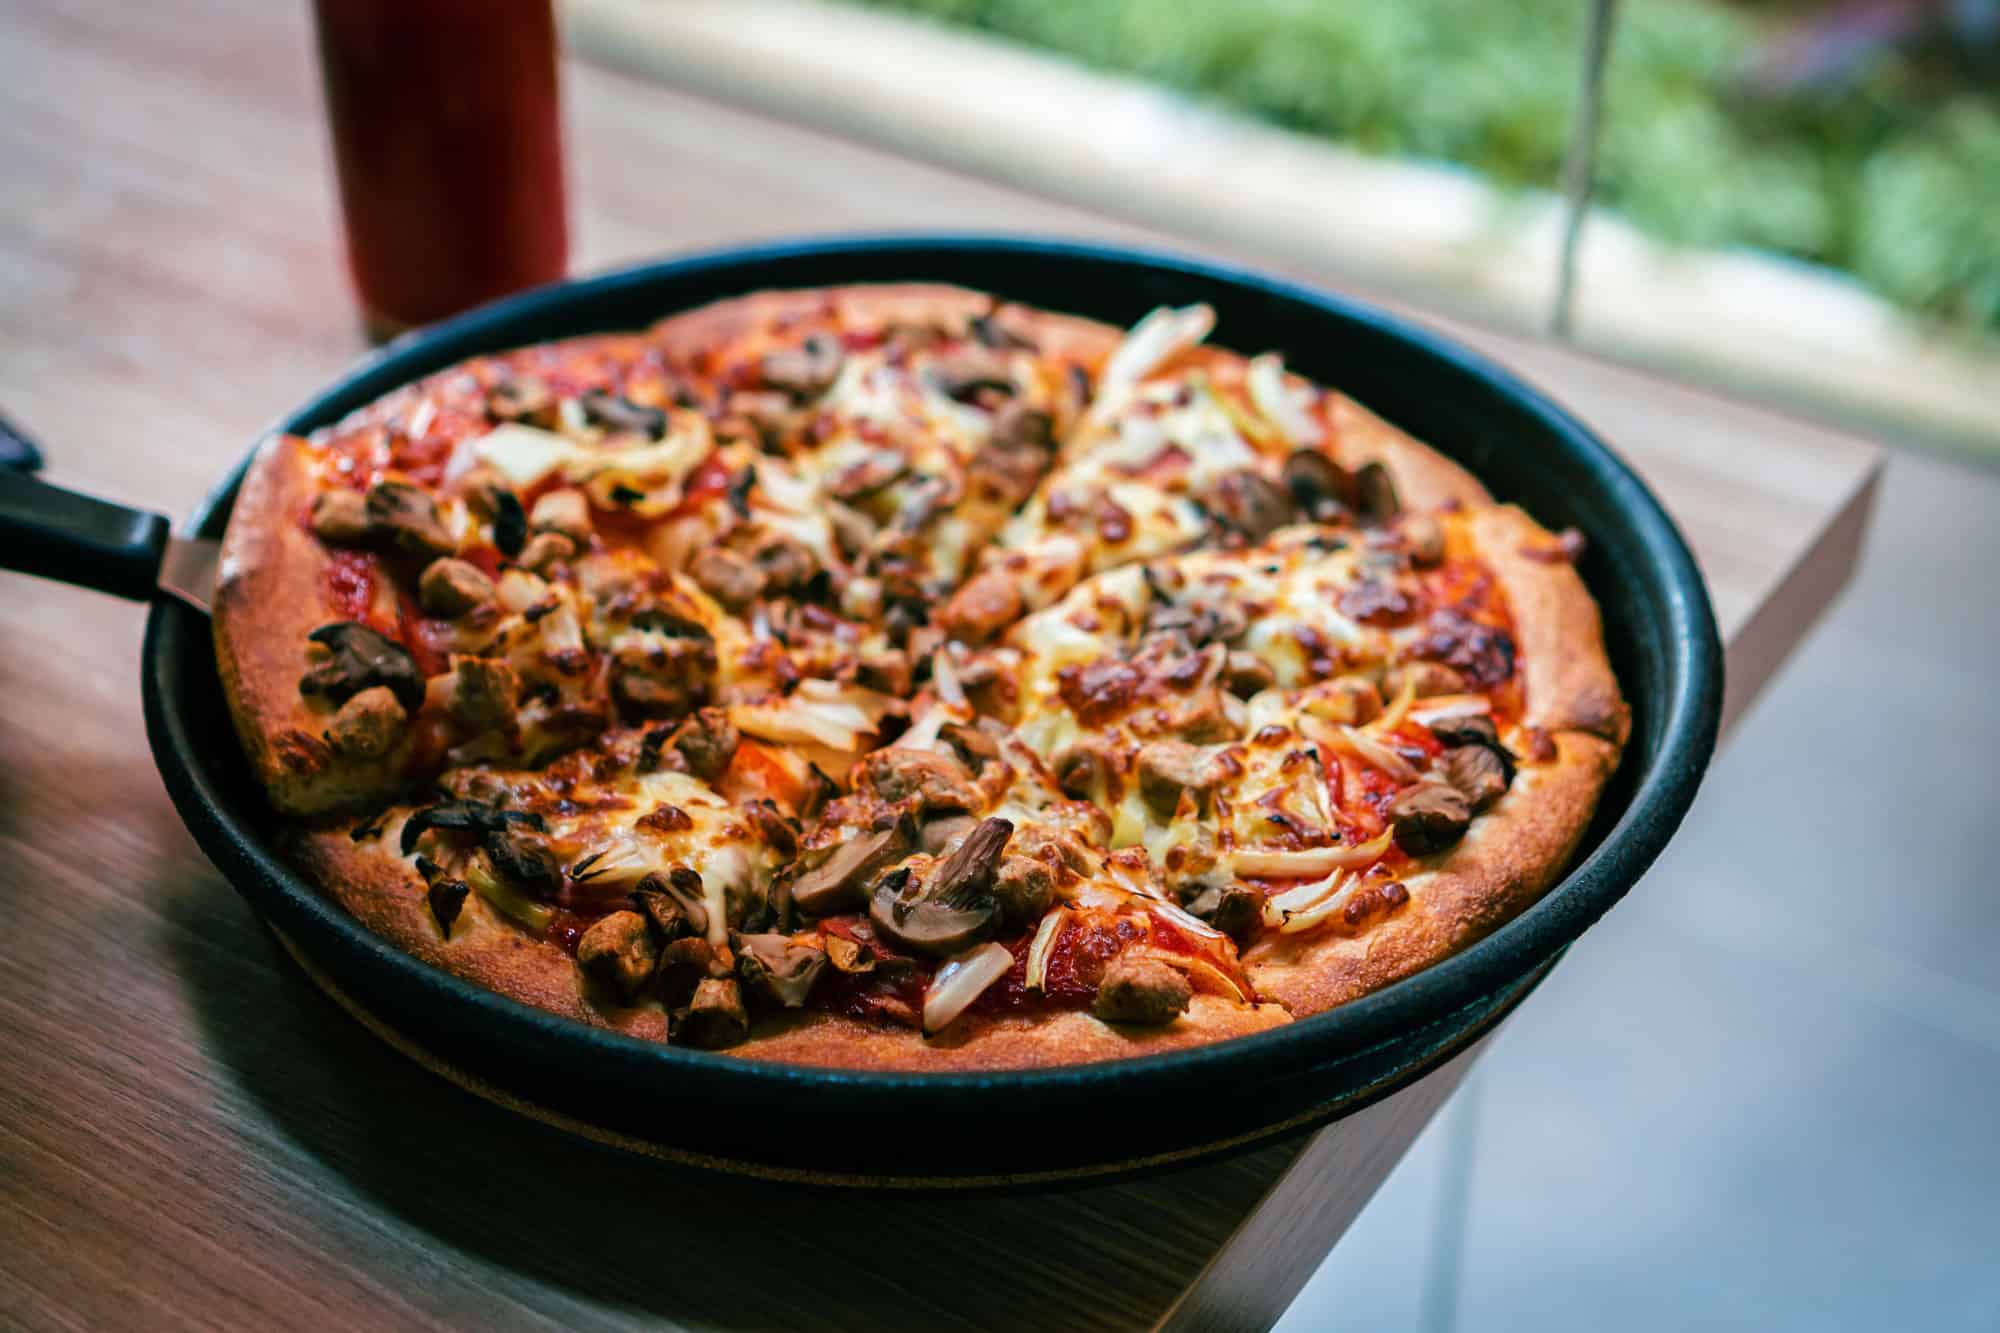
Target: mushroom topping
point(407, 519)
point(522, 855)
point(1429, 817)
point(1231, 908)
point(471, 816)
point(953, 905)
point(661, 675)
point(1375, 494)
point(685, 963)
point(777, 969)
point(707, 741)
point(522, 398)
point(566, 512)
point(983, 606)
point(1246, 674)
point(1348, 700)
point(1248, 502)
point(446, 899)
point(1316, 483)
point(341, 518)
point(622, 414)
point(806, 371)
point(1167, 768)
point(368, 725)
point(545, 549)
point(1141, 990)
point(489, 498)
point(1024, 888)
point(939, 834)
point(618, 950)
point(483, 692)
point(846, 955)
point(932, 781)
point(727, 577)
point(974, 745)
point(359, 658)
point(673, 903)
point(836, 884)
point(1425, 537)
point(715, 1017)
point(1479, 774)
point(1466, 729)
point(449, 588)
point(988, 331)
point(1016, 455)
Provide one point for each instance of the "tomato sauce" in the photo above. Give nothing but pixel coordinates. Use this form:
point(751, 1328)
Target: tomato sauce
point(350, 584)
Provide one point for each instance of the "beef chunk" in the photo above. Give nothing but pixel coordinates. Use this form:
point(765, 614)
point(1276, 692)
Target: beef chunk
point(449, 588)
point(340, 518)
point(934, 782)
point(727, 577)
point(407, 519)
point(1167, 768)
point(715, 1016)
point(1249, 503)
point(1429, 817)
point(707, 741)
point(1141, 990)
point(619, 951)
point(367, 725)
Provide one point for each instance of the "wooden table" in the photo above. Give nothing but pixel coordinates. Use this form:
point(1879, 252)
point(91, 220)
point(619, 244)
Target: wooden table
point(189, 1134)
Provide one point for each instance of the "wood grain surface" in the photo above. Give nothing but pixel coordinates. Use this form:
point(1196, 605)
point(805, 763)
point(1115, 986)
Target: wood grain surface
point(190, 1136)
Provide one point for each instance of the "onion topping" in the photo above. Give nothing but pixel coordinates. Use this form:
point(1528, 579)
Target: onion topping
point(1279, 402)
point(1042, 945)
point(962, 979)
point(1376, 753)
point(1314, 861)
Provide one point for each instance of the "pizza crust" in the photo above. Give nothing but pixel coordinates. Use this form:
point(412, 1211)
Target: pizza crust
point(270, 594)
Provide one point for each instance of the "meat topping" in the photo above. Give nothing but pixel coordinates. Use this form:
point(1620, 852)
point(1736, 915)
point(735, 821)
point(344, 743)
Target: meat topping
point(359, 658)
point(1141, 990)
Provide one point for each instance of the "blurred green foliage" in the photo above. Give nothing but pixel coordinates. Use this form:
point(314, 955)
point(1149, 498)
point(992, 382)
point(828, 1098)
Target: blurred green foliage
point(1894, 178)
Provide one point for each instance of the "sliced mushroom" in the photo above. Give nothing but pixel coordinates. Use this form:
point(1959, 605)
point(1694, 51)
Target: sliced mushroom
point(407, 518)
point(341, 518)
point(951, 907)
point(446, 899)
point(837, 883)
point(545, 549)
point(466, 816)
point(449, 588)
point(1167, 768)
point(1317, 484)
point(1429, 817)
point(715, 1017)
point(806, 371)
point(619, 950)
point(522, 398)
point(777, 969)
point(1248, 502)
point(1246, 674)
point(966, 373)
point(674, 903)
point(1466, 729)
point(1141, 990)
point(523, 855)
point(1375, 493)
point(1480, 775)
point(622, 414)
point(359, 658)
point(1231, 908)
point(937, 835)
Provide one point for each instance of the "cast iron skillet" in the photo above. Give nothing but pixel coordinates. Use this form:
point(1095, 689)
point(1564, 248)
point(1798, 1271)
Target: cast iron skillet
point(1028, 1127)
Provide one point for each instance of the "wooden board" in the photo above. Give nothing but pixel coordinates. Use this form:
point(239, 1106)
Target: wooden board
point(189, 1134)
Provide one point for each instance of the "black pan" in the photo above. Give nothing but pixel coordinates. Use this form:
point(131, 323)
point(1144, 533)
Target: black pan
point(946, 1129)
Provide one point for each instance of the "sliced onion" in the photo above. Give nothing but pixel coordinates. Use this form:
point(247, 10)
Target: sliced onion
point(1392, 717)
point(1041, 946)
point(1199, 970)
point(1280, 907)
point(1185, 919)
point(518, 590)
point(945, 677)
point(962, 979)
point(836, 726)
point(1438, 706)
point(619, 864)
point(1376, 753)
point(1314, 861)
point(1316, 915)
point(1151, 342)
point(560, 632)
point(1279, 402)
point(872, 704)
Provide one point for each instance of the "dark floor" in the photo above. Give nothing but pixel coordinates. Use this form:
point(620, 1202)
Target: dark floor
point(1765, 1092)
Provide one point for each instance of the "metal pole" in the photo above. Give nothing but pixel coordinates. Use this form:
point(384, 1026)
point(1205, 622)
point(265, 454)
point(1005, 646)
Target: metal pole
point(1580, 162)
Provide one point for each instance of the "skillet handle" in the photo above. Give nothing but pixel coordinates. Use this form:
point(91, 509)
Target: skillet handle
point(59, 534)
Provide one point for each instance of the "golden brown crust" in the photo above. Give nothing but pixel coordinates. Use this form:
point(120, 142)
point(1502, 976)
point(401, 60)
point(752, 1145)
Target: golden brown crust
point(1508, 858)
point(269, 596)
point(388, 897)
point(1567, 676)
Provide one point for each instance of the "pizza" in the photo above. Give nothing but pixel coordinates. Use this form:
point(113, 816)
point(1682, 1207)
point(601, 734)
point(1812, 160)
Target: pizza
point(898, 677)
